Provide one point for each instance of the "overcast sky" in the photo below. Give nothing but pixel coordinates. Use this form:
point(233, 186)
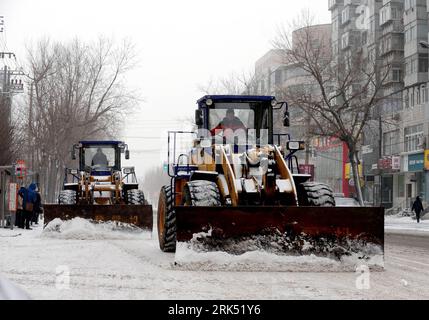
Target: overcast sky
point(181, 44)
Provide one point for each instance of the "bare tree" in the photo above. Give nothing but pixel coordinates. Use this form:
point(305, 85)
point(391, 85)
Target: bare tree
point(339, 92)
point(77, 91)
point(6, 131)
point(10, 134)
point(244, 83)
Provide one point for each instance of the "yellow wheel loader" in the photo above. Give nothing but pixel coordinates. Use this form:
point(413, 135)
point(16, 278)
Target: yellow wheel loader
point(237, 187)
point(101, 189)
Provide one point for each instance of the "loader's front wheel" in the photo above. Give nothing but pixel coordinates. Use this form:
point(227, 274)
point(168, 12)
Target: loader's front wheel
point(67, 197)
point(166, 221)
point(135, 197)
point(315, 194)
point(202, 194)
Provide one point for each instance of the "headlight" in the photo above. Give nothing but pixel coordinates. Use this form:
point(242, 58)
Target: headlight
point(128, 170)
point(274, 103)
point(209, 102)
point(296, 145)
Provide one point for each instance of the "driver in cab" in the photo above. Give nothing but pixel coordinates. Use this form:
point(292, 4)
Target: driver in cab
point(100, 159)
point(230, 122)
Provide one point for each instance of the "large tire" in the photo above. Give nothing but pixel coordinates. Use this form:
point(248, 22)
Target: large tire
point(202, 194)
point(135, 197)
point(166, 221)
point(67, 197)
point(315, 194)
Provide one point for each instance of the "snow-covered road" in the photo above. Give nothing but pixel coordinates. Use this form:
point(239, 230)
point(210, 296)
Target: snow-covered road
point(118, 265)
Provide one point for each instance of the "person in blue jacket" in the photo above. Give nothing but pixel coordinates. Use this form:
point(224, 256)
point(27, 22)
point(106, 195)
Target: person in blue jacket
point(28, 200)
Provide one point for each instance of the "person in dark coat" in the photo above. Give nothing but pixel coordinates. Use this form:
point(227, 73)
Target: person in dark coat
point(100, 159)
point(28, 200)
point(37, 210)
point(229, 122)
point(19, 218)
point(418, 208)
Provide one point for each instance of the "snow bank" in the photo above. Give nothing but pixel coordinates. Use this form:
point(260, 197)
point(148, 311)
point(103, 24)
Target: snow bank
point(82, 229)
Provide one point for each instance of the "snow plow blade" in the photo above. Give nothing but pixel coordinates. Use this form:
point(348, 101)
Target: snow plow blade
point(321, 226)
point(139, 215)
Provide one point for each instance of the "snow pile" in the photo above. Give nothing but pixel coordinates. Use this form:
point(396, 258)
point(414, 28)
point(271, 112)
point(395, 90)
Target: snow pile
point(276, 252)
point(260, 261)
point(82, 229)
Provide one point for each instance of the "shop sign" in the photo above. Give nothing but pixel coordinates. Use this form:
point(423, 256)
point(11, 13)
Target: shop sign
point(385, 163)
point(349, 171)
point(427, 160)
point(367, 149)
point(13, 197)
point(416, 162)
point(390, 163)
point(396, 163)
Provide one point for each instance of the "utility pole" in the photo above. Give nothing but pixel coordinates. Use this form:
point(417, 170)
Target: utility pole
point(30, 123)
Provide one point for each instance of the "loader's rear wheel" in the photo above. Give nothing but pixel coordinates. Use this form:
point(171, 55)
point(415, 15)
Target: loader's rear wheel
point(202, 194)
point(135, 197)
point(315, 194)
point(67, 197)
point(166, 221)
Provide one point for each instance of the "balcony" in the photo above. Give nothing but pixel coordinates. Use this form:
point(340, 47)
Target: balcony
point(391, 43)
point(332, 4)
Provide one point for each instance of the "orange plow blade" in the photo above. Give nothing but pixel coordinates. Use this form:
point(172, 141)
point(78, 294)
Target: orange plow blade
point(139, 215)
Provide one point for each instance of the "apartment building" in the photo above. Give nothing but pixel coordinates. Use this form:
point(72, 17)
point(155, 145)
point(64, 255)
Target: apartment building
point(394, 147)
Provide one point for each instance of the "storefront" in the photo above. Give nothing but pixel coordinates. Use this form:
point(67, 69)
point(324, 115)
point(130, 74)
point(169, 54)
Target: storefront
point(389, 169)
point(414, 177)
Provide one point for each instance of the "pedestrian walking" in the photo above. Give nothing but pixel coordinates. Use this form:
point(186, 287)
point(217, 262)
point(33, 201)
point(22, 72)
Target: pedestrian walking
point(418, 208)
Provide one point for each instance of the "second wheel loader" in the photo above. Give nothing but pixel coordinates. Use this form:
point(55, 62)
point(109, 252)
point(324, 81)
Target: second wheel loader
point(237, 191)
point(101, 189)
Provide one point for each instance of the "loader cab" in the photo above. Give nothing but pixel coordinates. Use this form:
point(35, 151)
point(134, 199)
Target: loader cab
point(248, 115)
point(101, 158)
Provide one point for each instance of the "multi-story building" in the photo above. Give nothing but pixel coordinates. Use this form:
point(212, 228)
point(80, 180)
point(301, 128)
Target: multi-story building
point(394, 146)
point(393, 36)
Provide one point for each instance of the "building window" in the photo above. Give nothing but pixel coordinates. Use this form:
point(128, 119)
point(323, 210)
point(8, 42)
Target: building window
point(413, 138)
point(391, 143)
point(418, 102)
point(409, 4)
point(345, 15)
point(345, 41)
point(397, 74)
point(406, 99)
point(423, 64)
point(424, 94)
